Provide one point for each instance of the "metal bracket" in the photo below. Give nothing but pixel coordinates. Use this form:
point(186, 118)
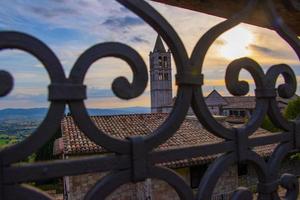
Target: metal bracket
point(138, 159)
point(267, 188)
point(189, 78)
point(241, 145)
point(264, 93)
point(66, 92)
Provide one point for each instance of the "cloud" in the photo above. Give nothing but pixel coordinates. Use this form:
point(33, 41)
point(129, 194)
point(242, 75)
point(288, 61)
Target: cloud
point(270, 56)
point(123, 22)
point(102, 93)
point(96, 93)
point(61, 1)
point(261, 49)
point(220, 42)
point(24, 102)
point(114, 102)
point(32, 97)
point(52, 12)
point(83, 16)
point(125, 10)
point(221, 82)
point(69, 28)
point(137, 39)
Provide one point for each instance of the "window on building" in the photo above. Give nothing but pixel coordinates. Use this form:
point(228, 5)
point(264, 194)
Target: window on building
point(165, 62)
point(160, 76)
point(196, 174)
point(242, 169)
point(236, 113)
point(225, 112)
point(166, 76)
point(160, 61)
point(242, 113)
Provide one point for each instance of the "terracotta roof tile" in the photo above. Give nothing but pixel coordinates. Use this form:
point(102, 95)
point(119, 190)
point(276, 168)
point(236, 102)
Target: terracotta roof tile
point(191, 133)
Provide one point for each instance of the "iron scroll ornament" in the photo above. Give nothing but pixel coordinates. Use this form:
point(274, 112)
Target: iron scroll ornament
point(135, 159)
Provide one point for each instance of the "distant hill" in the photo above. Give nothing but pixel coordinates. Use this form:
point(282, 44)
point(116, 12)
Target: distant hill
point(39, 113)
point(119, 111)
point(19, 113)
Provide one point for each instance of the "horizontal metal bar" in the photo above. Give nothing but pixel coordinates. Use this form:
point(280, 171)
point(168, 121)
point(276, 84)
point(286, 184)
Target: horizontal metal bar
point(101, 163)
point(270, 139)
point(60, 168)
point(191, 152)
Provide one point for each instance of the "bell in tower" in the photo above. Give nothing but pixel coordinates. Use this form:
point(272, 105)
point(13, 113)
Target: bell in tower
point(160, 78)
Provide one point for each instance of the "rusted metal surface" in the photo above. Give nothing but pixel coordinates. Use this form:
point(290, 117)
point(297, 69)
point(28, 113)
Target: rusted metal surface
point(134, 159)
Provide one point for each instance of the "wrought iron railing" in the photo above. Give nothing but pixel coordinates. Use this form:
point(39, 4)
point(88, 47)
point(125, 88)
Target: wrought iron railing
point(135, 159)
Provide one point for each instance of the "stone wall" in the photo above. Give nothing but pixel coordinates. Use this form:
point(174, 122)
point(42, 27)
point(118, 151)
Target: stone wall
point(250, 180)
point(77, 186)
point(226, 185)
point(291, 166)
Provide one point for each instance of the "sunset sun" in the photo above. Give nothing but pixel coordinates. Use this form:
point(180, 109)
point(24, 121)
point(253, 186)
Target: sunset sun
point(236, 43)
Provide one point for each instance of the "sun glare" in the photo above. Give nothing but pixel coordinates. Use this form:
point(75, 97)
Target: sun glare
point(236, 43)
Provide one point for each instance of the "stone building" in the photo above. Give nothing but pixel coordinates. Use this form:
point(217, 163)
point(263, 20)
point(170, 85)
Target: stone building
point(238, 106)
point(74, 144)
point(160, 78)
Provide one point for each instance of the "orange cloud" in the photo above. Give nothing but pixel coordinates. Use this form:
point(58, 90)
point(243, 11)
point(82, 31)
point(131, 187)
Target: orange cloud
point(221, 82)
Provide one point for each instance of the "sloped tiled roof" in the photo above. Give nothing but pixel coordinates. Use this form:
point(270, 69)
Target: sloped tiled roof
point(238, 102)
point(215, 99)
point(244, 102)
point(191, 133)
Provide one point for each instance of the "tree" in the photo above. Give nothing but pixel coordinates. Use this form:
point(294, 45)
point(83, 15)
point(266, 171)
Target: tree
point(46, 151)
point(268, 125)
point(292, 111)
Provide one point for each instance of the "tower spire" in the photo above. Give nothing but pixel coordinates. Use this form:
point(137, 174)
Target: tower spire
point(159, 46)
point(160, 78)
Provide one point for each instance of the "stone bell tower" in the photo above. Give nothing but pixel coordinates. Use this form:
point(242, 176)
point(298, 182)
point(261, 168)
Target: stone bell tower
point(160, 78)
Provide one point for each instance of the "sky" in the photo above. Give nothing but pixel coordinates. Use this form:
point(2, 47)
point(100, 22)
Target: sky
point(70, 27)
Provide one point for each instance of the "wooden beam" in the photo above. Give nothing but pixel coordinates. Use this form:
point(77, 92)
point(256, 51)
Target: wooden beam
point(289, 10)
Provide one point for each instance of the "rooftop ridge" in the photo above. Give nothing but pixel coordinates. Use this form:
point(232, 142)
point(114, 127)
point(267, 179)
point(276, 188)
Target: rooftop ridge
point(118, 115)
